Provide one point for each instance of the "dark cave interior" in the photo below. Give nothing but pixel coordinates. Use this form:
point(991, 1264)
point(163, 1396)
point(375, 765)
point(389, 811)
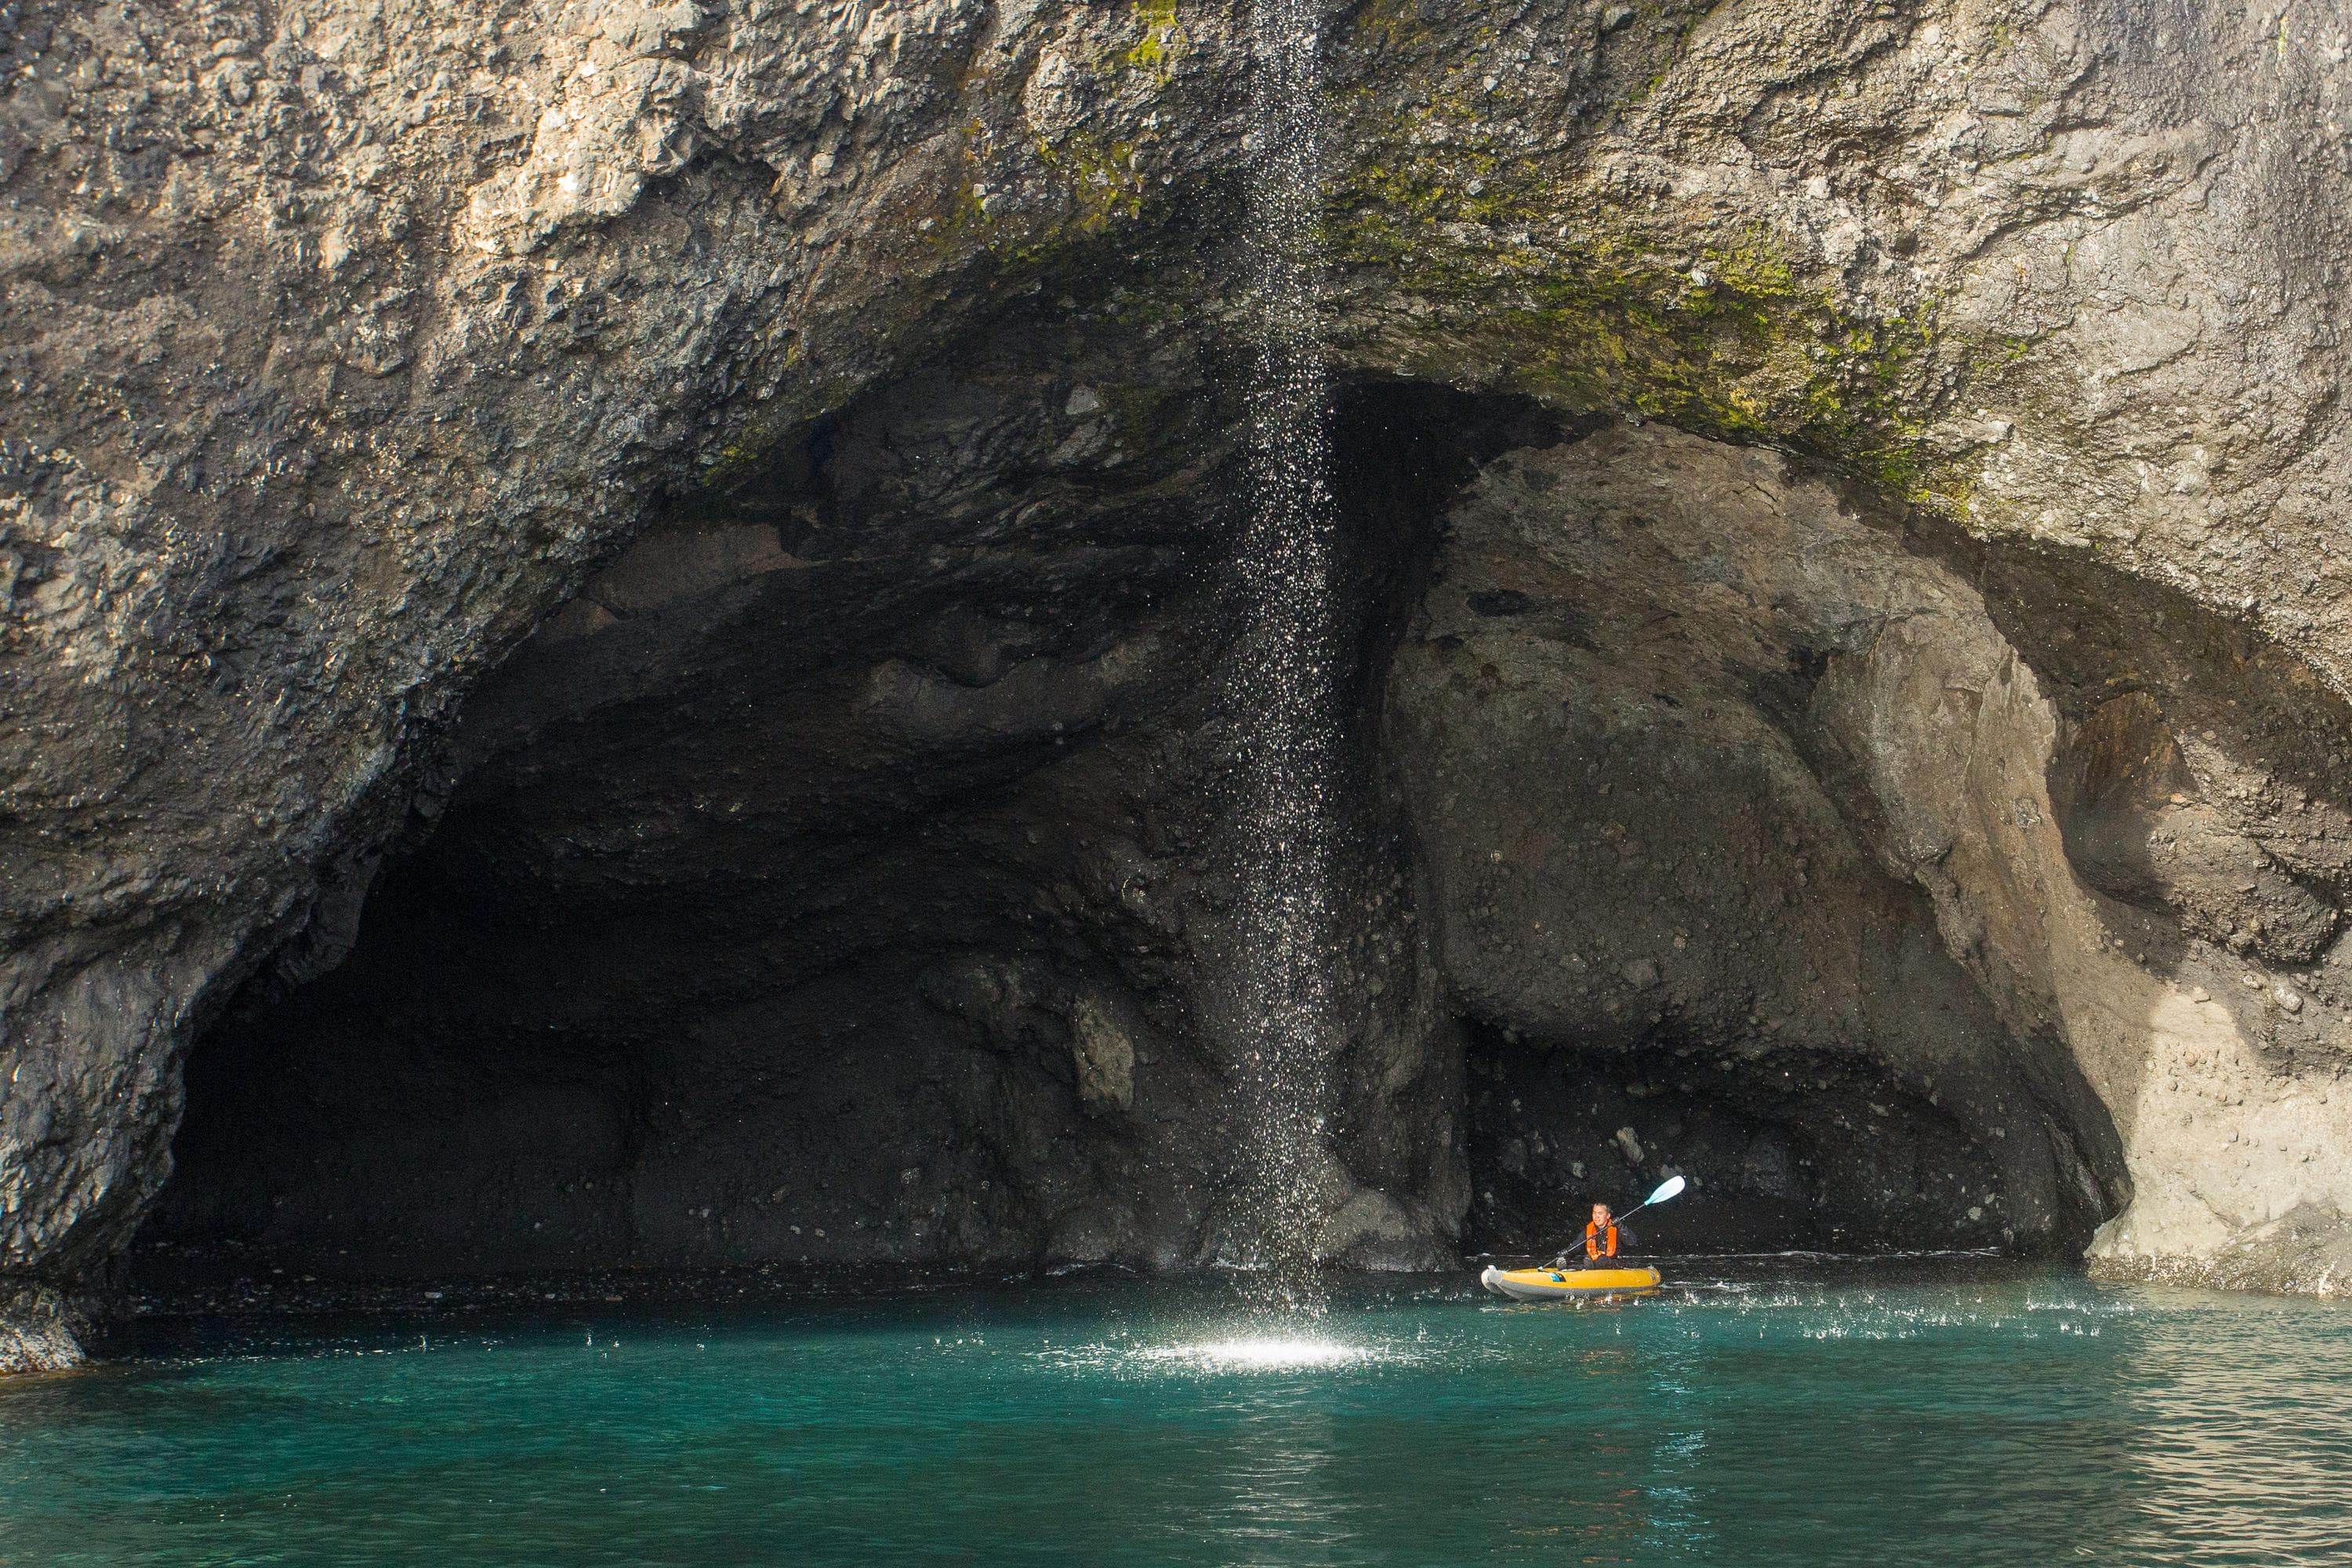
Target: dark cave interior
point(832, 879)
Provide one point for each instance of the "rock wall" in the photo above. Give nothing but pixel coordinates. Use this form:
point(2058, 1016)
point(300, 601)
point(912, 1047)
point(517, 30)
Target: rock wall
point(1728, 797)
point(1712, 762)
point(343, 343)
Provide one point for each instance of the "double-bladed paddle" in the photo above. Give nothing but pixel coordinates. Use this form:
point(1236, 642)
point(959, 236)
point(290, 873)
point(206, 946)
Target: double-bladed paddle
point(1672, 1187)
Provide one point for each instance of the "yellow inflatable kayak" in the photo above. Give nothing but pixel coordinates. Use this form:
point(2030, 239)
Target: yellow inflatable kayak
point(1568, 1284)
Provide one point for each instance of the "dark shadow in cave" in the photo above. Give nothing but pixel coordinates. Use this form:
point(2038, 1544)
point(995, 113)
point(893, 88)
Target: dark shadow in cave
point(1794, 1148)
point(824, 883)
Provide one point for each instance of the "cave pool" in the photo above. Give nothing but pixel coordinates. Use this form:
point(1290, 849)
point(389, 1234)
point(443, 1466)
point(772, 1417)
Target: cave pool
point(1799, 1410)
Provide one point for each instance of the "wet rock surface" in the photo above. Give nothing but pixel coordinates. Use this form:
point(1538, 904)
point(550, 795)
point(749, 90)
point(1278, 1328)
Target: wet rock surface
point(345, 346)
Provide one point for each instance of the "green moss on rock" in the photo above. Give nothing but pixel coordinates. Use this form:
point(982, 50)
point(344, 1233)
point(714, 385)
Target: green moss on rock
point(1561, 295)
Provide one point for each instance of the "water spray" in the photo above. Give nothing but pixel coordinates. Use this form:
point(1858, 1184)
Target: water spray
point(1284, 689)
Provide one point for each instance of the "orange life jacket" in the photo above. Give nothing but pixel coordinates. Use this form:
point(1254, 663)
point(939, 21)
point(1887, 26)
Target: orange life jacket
point(1597, 1244)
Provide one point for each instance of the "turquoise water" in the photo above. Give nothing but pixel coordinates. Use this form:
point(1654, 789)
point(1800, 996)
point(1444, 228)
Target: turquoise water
point(1860, 1418)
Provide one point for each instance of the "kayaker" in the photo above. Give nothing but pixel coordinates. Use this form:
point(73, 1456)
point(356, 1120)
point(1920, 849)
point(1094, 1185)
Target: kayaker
point(1602, 1236)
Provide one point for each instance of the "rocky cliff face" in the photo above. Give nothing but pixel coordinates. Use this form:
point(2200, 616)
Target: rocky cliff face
point(631, 594)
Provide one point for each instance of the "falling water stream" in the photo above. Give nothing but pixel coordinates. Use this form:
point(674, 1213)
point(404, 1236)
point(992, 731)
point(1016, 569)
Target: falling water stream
point(1285, 690)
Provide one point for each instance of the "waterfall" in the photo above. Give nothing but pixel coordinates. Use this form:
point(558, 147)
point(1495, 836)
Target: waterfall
point(1285, 691)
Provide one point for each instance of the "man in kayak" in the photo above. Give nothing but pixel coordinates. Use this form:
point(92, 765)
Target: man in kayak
point(1601, 1235)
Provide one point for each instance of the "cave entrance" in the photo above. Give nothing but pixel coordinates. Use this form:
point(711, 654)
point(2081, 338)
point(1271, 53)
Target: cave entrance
point(829, 881)
point(832, 879)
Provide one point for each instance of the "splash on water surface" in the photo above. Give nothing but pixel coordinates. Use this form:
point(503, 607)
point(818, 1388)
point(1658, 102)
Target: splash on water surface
point(1260, 1354)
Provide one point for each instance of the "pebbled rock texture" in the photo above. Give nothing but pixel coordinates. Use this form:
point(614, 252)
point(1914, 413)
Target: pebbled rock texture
point(342, 343)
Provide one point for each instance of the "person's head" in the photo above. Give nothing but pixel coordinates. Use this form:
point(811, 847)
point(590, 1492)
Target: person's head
point(1600, 1214)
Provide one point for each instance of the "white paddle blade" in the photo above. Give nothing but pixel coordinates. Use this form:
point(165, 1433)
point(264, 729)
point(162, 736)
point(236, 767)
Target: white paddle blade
point(1672, 1187)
